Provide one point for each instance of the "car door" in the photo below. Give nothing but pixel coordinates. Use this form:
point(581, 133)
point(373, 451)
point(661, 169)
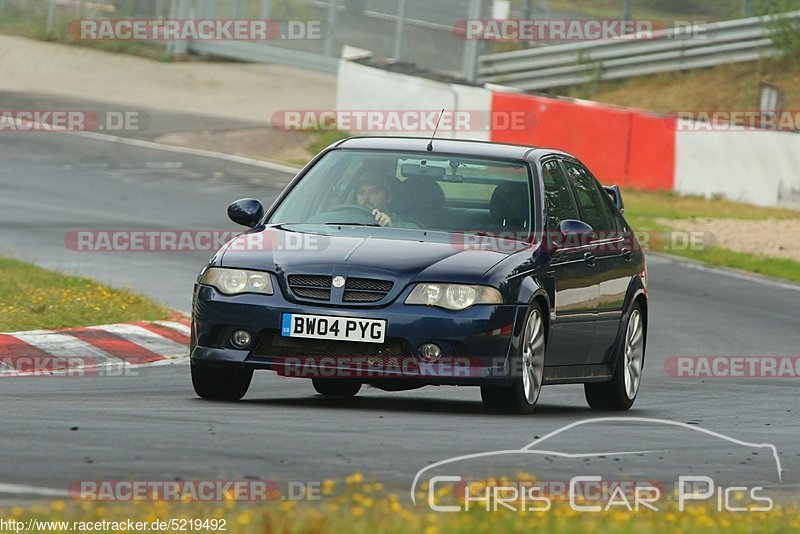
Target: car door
point(573, 327)
point(608, 247)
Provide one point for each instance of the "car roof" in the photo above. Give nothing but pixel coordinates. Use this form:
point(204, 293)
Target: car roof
point(445, 146)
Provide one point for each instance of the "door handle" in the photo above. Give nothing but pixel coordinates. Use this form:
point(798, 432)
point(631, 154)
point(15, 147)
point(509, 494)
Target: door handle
point(590, 258)
point(627, 254)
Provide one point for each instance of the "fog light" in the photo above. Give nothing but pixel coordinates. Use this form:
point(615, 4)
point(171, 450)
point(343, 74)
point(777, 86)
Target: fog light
point(430, 352)
point(240, 339)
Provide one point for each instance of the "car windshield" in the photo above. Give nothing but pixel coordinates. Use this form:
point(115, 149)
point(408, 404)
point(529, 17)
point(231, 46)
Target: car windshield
point(411, 190)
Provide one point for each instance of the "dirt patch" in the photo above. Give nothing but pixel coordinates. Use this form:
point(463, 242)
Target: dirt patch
point(236, 91)
point(260, 143)
point(770, 237)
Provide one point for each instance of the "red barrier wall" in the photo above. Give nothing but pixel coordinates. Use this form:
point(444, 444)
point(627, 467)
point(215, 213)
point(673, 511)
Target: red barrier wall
point(651, 157)
point(620, 146)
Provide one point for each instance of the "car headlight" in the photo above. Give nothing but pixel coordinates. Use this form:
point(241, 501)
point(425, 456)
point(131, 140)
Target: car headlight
point(453, 296)
point(237, 281)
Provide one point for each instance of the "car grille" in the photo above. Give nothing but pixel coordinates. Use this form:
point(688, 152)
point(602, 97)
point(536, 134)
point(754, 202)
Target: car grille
point(311, 286)
point(387, 355)
point(318, 287)
point(366, 289)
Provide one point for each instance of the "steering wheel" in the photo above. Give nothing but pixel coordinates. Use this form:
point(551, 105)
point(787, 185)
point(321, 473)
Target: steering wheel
point(346, 213)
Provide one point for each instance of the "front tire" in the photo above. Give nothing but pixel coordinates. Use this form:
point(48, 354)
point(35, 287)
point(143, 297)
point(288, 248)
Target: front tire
point(528, 370)
point(220, 383)
point(620, 393)
point(341, 388)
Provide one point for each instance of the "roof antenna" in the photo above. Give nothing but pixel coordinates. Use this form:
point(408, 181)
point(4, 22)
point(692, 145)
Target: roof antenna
point(430, 144)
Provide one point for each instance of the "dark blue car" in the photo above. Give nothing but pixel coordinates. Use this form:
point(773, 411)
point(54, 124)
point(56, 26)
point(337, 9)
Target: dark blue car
point(400, 263)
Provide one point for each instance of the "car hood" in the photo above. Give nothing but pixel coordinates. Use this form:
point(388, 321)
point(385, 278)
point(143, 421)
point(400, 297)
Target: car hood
point(403, 255)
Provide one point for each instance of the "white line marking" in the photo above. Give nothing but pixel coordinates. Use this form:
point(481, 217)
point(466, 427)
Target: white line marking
point(66, 346)
point(20, 489)
point(280, 167)
point(99, 369)
point(273, 166)
point(721, 270)
point(172, 325)
point(147, 339)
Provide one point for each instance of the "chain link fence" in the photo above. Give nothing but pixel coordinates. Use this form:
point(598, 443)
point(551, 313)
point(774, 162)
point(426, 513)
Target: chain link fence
point(414, 31)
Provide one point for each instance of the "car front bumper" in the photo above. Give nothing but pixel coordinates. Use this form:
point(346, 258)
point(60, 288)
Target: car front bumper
point(475, 343)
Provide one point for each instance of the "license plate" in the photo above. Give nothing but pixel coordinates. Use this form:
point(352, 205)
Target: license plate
point(338, 328)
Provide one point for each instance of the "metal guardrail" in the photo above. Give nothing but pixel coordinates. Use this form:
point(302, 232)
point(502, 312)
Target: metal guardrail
point(576, 63)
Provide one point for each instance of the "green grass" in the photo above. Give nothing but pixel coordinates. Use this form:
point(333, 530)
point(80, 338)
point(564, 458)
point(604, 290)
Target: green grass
point(14, 21)
point(772, 267)
point(670, 205)
point(645, 211)
point(324, 139)
point(34, 298)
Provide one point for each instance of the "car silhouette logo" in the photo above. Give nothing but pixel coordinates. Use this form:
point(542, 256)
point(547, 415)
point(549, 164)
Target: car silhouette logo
point(338, 281)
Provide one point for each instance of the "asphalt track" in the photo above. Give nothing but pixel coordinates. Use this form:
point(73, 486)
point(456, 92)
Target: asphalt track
point(152, 427)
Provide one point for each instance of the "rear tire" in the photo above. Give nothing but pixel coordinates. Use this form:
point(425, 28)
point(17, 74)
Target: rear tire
point(527, 371)
point(340, 388)
point(620, 393)
point(220, 383)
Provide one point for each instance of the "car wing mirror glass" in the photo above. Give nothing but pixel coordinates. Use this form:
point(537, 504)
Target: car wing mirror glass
point(574, 233)
point(247, 212)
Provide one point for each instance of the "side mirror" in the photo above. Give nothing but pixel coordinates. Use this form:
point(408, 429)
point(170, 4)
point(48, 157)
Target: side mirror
point(616, 195)
point(573, 228)
point(247, 212)
point(573, 234)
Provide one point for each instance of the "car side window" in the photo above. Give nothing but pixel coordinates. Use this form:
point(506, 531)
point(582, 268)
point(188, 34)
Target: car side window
point(596, 212)
point(560, 202)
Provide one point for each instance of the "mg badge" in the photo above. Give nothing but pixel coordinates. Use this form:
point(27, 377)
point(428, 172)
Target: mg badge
point(338, 281)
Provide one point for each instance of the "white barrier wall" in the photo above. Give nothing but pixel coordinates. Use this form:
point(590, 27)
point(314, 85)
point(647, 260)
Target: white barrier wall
point(364, 88)
point(753, 166)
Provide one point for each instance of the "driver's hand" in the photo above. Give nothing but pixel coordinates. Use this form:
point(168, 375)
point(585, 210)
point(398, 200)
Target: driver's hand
point(381, 218)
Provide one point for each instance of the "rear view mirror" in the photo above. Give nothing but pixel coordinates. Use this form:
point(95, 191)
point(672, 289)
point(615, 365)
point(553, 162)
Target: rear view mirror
point(247, 212)
point(616, 195)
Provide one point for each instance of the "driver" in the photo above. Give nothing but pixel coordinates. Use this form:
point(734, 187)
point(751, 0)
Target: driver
point(375, 193)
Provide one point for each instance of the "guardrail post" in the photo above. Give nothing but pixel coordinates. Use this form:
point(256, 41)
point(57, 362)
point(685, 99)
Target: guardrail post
point(398, 33)
point(51, 15)
point(332, 8)
point(470, 62)
point(183, 12)
point(628, 13)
